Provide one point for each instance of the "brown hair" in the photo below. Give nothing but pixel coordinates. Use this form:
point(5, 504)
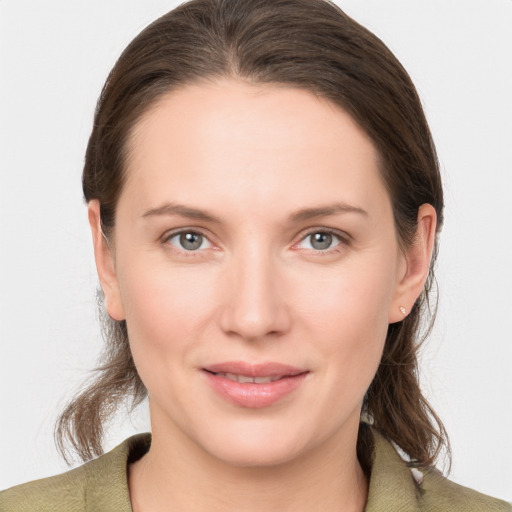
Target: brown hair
point(313, 45)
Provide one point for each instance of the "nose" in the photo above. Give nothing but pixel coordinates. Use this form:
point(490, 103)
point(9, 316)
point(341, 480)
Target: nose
point(255, 303)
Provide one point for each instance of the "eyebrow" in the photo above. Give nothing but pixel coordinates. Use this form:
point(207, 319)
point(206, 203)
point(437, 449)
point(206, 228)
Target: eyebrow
point(170, 209)
point(324, 211)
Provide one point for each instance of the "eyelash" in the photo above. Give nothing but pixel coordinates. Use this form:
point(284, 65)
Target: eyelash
point(188, 253)
point(343, 240)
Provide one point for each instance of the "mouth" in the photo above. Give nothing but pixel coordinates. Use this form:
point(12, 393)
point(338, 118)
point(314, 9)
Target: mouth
point(246, 378)
point(254, 385)
point(269, 370)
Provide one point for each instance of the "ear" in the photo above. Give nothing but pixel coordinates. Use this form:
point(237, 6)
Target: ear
point(415, 265)
point(105, 264)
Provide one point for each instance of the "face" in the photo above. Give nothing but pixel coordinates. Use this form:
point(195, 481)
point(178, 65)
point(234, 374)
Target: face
point(256, 264)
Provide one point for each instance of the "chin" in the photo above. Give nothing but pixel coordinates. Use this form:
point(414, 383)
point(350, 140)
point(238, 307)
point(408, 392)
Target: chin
point(250, 456)
point(256, 446)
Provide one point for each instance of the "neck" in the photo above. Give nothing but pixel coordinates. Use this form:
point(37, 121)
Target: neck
point(176, 476)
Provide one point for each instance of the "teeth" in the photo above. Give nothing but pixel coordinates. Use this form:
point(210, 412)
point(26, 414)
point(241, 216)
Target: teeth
point(243, 378)
point(263, 380)
point(247, 379)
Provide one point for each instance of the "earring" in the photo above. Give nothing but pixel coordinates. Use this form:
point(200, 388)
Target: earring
point(403, 310)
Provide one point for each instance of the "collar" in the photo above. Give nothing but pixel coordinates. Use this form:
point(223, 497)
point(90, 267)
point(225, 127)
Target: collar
point(391, 487)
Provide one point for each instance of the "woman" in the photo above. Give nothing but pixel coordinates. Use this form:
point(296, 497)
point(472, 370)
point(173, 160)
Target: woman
point(264, 199)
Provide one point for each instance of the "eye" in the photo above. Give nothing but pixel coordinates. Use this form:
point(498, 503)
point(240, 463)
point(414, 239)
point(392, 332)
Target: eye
point(320, 241)
point(188, 241)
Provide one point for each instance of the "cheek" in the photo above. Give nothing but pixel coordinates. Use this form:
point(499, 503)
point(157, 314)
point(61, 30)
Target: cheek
point(166, 308)
point(347, 316)
point(351, 297)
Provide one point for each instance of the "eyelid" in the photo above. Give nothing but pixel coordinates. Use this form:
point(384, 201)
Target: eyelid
point(179, 231)
point(344, 238)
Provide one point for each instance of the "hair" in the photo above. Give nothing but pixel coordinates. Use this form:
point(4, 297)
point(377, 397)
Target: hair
point(308, 44)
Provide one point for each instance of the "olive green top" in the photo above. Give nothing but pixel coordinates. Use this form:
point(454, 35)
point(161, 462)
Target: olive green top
point(101, 486)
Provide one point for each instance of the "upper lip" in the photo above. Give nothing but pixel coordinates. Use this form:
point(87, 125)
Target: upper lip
point(269, 369)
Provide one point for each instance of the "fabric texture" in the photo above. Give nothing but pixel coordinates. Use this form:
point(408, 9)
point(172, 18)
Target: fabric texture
point(101, 486)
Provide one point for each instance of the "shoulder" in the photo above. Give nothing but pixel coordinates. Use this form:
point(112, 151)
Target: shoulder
point(61, 492)
point(100, 484)
point(439, 493)
point(396, 486)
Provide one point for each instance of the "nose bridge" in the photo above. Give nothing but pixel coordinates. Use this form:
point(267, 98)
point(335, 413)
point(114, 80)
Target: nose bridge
point(254, 307)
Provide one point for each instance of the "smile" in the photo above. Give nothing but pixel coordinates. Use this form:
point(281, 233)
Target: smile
point(247, 378)
point(254, 386)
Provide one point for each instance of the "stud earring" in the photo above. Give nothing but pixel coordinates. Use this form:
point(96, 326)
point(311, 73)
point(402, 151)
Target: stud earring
point(403, 310)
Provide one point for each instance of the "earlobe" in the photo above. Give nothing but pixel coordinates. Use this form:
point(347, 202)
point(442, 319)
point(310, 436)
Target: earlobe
point(416, 265)
point(104, 256)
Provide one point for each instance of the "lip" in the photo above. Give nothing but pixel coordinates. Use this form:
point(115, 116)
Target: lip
point(254, 395)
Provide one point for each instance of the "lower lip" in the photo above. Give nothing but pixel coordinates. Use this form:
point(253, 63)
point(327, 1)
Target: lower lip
point(251, 395)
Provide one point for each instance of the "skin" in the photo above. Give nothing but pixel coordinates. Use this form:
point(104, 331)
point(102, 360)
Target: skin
point(258, 289)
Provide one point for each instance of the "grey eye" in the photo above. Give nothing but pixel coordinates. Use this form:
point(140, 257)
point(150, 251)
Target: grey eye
point(321, 241)
point(189, 241)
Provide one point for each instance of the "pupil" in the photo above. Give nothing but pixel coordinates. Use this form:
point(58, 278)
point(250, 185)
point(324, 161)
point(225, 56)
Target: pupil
point(321, 240)
point(191, 241)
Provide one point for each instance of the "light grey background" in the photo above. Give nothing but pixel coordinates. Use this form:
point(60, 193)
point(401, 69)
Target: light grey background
point(54, 57)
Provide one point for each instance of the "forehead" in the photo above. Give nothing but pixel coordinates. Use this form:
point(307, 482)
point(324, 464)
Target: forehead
point(274, 114)
point(267, 143)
